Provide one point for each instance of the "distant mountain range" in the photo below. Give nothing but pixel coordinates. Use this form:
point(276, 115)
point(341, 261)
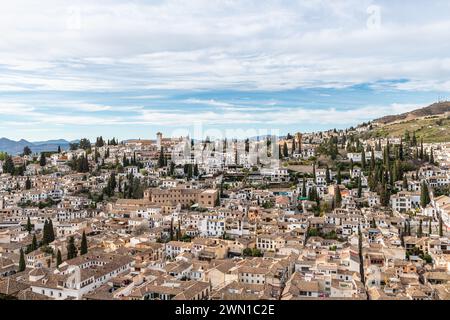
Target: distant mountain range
point(16, 147)
point(438, 108)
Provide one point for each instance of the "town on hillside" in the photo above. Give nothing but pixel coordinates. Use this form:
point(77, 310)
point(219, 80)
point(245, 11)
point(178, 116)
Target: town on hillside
point(336, 214)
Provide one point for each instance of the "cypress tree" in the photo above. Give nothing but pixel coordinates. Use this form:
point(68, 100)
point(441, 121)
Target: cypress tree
point(285, 150)
point(372, 159)
point(171, 229)
point(84, 245)
point(71, 249)
point(161, 158)
point(400, 150)
point(58, 258)
point(22, 265)
point(402, 238)
point(359, 186)
point(327, 175)
point(441, 231)
point(429, 228)
point(405, 183)
point(34, 244)
point(339, 178)
point(172, 168)
point(217, 203)
point(373, 223)
point(28, 184)
point(363, 159)
point(179, 231)
point(45, 233)
point(51, 231)
point(361, 257)
point(420, 232)
point(424, 195)
point(421, 149)
point(189, 174)
point(337, 197)
point(196, 170)
point(314, 173)
point(431, 157)
point(42, 160)
point(414, 139)
point(304, 188)
point(29, 227)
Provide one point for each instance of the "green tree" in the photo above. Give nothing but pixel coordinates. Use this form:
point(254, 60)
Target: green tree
point(421, 155)
point(327, 175)
point(363, 159)
point(337, 197)
point(314, 173)
point(171, 230)
point(34, 244)
point(71, 249)
point(304, 188)
point(28, 184)
point(189, 173)
point(424, 195)
point(29, 227)
point(400, 151)
point(217, 203)
point(45, 233)
point(42, 160)
point(285, 150)
point(84, 244)
point(361, 256)
point(196, 170)
point(372, 159)
point(373, 223)
point(22, 265)
point(26, 151)
point(172, 169)
point(8, 165)
point(420, 231)
point(161, 159)
point(111, 185)
point(339, 177)
point(51, 231)
point(359, 186)
point(405, 182)
point(85, 144)
point(58, 258)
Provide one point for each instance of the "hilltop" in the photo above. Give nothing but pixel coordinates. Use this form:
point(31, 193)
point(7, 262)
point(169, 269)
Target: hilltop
point(431, 123)
point(439, 108)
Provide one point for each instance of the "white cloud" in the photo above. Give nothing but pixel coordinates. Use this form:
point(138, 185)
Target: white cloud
point(212, 44)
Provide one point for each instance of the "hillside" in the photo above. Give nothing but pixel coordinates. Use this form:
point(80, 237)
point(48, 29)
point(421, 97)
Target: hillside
point(432, 110)
point(433, 129)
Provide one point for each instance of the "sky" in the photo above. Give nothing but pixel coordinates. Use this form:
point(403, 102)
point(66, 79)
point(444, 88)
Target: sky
point(128, 69)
